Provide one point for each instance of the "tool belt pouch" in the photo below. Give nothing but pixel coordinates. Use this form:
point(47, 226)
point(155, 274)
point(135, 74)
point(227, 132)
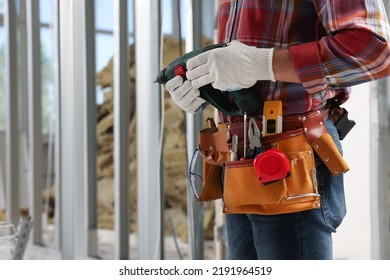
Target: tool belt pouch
point(329, 154)
point(244, 193)
point(213, 149)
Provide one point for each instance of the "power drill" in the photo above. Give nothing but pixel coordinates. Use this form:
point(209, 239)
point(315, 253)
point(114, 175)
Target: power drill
point(246, 100)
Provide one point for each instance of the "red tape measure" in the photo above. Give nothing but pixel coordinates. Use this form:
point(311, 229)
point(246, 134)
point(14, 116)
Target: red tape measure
point(271, 165)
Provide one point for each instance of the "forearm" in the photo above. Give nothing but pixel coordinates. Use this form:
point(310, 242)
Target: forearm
point(348, 58)
point(283, 67)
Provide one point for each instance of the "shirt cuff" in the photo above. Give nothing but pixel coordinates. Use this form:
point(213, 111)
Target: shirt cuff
point(307, 62)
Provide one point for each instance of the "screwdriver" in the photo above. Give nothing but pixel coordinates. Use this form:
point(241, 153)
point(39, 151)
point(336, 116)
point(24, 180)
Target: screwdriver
point(245, 128)
point(233, 154)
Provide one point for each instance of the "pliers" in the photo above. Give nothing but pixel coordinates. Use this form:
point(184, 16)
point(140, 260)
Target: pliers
point(254, 135)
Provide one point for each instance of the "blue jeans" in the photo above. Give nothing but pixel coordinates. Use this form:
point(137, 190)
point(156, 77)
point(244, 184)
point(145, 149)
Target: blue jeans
point(304, 235)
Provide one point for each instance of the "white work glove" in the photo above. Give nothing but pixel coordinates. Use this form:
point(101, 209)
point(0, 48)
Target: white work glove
point(232, 67)
point(184, 95)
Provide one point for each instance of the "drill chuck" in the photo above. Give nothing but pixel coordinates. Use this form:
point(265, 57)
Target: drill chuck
point(161, 78)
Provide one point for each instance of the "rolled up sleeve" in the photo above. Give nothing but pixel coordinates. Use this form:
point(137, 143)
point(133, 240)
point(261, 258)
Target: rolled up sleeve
point(355, 51)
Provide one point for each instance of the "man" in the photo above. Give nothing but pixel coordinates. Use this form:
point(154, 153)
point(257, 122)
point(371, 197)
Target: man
point(306, 53)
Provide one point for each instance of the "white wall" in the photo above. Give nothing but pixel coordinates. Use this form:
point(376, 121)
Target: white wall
point(353, 239)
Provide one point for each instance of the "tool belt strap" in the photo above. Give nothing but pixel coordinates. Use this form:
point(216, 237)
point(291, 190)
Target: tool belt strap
point(219, 138)
point(216, 140)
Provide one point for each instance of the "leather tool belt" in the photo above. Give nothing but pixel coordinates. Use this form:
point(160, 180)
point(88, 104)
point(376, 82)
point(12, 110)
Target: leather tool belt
point(242, 192)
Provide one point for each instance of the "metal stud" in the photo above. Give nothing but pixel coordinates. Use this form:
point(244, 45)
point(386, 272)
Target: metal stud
point(303, 119)
point(273, 144)
point(321, 124)
point(305, 129)
point(318, 205)
point(326, 158)
point(309, 152)
point(336, 172)
point(226, 209)
point(316, 146)
point(211, 148)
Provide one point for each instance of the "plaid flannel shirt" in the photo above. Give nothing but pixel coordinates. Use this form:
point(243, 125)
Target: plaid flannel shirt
point(334, 44)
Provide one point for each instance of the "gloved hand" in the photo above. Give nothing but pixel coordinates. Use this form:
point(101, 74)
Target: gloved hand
point(232, 67)
point(184, 95)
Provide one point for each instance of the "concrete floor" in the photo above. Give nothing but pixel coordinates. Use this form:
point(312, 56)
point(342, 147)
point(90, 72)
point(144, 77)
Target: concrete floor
point(106, 248)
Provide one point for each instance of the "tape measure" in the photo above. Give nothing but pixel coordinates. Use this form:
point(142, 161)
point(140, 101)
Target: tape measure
point(272, 165)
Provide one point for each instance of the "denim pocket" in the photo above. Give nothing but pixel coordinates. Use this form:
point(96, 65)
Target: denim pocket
point(332, 130)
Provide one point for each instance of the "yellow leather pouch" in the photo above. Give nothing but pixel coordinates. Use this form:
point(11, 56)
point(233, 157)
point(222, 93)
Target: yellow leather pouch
point(214, 152)
point(212, 182)
point(243, 192)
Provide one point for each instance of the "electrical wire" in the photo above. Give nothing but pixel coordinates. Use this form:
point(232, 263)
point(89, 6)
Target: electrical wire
point(49, 171)
point(173, 232)
point(161, 138)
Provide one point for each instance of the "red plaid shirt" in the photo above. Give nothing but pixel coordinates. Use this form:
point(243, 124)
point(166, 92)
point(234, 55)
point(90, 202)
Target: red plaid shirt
point(333, 44)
